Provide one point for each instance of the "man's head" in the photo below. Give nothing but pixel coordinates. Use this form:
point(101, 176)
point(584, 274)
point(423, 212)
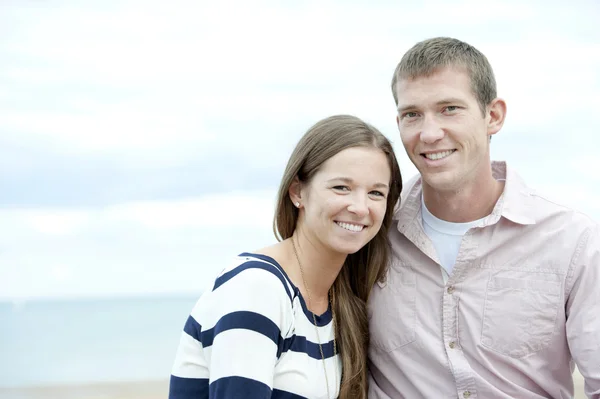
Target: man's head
point(429, 56)
point(445, 92)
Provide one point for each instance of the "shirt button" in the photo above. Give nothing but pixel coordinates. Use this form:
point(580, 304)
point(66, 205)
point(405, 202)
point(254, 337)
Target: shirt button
point(467, 394)
point(452, 345)
point(450, 290)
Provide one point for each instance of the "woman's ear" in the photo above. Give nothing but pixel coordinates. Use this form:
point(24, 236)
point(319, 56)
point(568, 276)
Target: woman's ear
point(295, 192)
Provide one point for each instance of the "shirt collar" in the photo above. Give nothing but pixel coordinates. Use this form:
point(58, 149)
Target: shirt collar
point(514, 204)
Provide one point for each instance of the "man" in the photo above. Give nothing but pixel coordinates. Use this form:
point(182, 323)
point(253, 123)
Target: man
point(493, 291)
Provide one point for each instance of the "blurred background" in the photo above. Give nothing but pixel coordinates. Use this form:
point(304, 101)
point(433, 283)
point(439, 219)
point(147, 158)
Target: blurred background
point(141, 145)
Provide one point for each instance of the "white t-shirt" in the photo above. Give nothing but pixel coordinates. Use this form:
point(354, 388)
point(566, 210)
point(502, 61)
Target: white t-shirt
point(446, 236)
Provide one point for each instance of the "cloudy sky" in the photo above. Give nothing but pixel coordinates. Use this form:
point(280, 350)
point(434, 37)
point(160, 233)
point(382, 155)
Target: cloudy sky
point(141, 143)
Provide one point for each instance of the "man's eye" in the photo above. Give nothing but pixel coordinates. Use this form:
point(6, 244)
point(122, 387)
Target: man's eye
point(410, 115)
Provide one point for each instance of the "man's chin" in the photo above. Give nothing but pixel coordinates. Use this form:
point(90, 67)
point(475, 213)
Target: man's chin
point(439, 181)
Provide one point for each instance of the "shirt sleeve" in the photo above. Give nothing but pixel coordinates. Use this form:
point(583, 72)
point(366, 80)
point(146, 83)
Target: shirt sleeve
point(583, 311)
point(245, 316)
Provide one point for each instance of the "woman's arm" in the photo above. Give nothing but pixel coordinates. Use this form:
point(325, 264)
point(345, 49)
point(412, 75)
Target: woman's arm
point(234, 353)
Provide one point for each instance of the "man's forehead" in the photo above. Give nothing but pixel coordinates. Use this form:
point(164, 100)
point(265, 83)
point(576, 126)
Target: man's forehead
point(437, 74)
point(446, 83)
point(426, 72)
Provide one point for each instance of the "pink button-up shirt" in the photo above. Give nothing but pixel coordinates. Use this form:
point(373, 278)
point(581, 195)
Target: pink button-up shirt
point(522, 303)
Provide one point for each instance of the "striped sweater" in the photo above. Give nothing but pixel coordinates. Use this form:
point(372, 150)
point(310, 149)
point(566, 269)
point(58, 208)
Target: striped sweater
point(253, 337)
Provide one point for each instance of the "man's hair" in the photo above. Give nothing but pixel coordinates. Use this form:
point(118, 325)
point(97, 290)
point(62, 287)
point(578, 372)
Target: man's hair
point(428, 56)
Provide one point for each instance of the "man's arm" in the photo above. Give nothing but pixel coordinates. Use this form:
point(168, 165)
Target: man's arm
point(583, 310)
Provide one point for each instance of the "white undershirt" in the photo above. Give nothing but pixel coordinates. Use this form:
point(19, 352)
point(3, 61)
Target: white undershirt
point(445, 236)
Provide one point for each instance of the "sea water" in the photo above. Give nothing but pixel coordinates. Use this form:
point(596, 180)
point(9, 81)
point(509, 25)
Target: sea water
point(90, 340)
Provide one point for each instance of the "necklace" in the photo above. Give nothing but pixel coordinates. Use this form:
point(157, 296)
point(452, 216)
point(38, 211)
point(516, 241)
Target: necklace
point(315, 321)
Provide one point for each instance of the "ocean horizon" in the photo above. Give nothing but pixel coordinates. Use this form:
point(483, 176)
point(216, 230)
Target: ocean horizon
point(86, 341)
point(56, 341)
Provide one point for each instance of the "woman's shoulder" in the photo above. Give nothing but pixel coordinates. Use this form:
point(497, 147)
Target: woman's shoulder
point(253, 289)
point(256, 272)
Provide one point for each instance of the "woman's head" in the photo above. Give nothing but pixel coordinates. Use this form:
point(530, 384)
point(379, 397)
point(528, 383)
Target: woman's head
point(343, 176)
point(340, 185)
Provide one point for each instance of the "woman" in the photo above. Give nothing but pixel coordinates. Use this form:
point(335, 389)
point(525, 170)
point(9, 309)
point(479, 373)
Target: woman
point(290, 320)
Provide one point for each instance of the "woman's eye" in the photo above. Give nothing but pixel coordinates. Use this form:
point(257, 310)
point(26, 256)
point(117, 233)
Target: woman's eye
point(341, 188)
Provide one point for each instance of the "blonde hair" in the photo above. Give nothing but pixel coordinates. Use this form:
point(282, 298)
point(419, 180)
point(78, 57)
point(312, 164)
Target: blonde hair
point(362, 269)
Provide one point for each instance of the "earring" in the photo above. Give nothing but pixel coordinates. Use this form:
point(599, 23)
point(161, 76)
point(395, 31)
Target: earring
point(297, 204)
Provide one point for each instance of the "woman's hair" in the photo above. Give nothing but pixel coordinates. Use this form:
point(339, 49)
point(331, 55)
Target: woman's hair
point(362, 269)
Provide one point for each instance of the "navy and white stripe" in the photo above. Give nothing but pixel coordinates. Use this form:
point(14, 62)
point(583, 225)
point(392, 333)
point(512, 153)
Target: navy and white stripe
point(252, 336)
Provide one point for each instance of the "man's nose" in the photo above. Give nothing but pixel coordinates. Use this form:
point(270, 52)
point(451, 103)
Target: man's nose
point(431, 130)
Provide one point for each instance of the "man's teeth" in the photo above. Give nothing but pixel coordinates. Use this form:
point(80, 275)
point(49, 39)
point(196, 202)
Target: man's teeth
point(351, 227)
point(438, 155)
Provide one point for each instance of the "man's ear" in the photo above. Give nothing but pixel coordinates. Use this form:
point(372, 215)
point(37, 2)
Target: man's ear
point(295, 192)
point(496, 116)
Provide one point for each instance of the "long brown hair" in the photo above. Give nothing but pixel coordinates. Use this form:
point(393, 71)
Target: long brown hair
point(362, 269)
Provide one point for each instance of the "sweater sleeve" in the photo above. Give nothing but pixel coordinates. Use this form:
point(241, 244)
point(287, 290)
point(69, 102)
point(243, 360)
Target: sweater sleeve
point(233, 353)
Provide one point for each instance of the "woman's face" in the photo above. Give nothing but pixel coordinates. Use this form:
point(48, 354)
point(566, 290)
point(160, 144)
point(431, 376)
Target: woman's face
point(343, 206)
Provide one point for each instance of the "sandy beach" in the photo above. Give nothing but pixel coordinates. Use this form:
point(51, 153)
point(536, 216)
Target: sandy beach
point(125, 390)
point(133, 390)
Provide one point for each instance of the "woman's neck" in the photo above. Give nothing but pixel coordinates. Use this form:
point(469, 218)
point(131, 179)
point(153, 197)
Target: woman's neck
point(316, 268)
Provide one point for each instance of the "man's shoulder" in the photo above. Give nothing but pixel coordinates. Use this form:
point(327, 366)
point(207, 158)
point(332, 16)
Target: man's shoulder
point(540, 207)
point(544, 205)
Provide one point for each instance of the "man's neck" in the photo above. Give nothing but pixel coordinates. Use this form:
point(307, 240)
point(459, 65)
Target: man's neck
point(467, 204)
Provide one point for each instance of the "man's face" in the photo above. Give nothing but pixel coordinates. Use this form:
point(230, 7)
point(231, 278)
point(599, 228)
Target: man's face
point(443, 130)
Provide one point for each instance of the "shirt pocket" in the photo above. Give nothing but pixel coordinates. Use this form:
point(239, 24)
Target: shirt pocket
point(392, 309)
point(520, 313)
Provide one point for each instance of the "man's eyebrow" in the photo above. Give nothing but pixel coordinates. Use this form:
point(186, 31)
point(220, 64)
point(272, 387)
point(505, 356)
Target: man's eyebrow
point(349, 181)
point(451, 100)
point(406, 107)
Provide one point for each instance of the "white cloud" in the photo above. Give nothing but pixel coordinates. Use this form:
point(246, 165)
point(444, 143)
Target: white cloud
point(252, 210)
point(125, 129)
point(132, 247)
point(213, 62)
point(57, 222)
point(151, 85)
point(586, 168)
